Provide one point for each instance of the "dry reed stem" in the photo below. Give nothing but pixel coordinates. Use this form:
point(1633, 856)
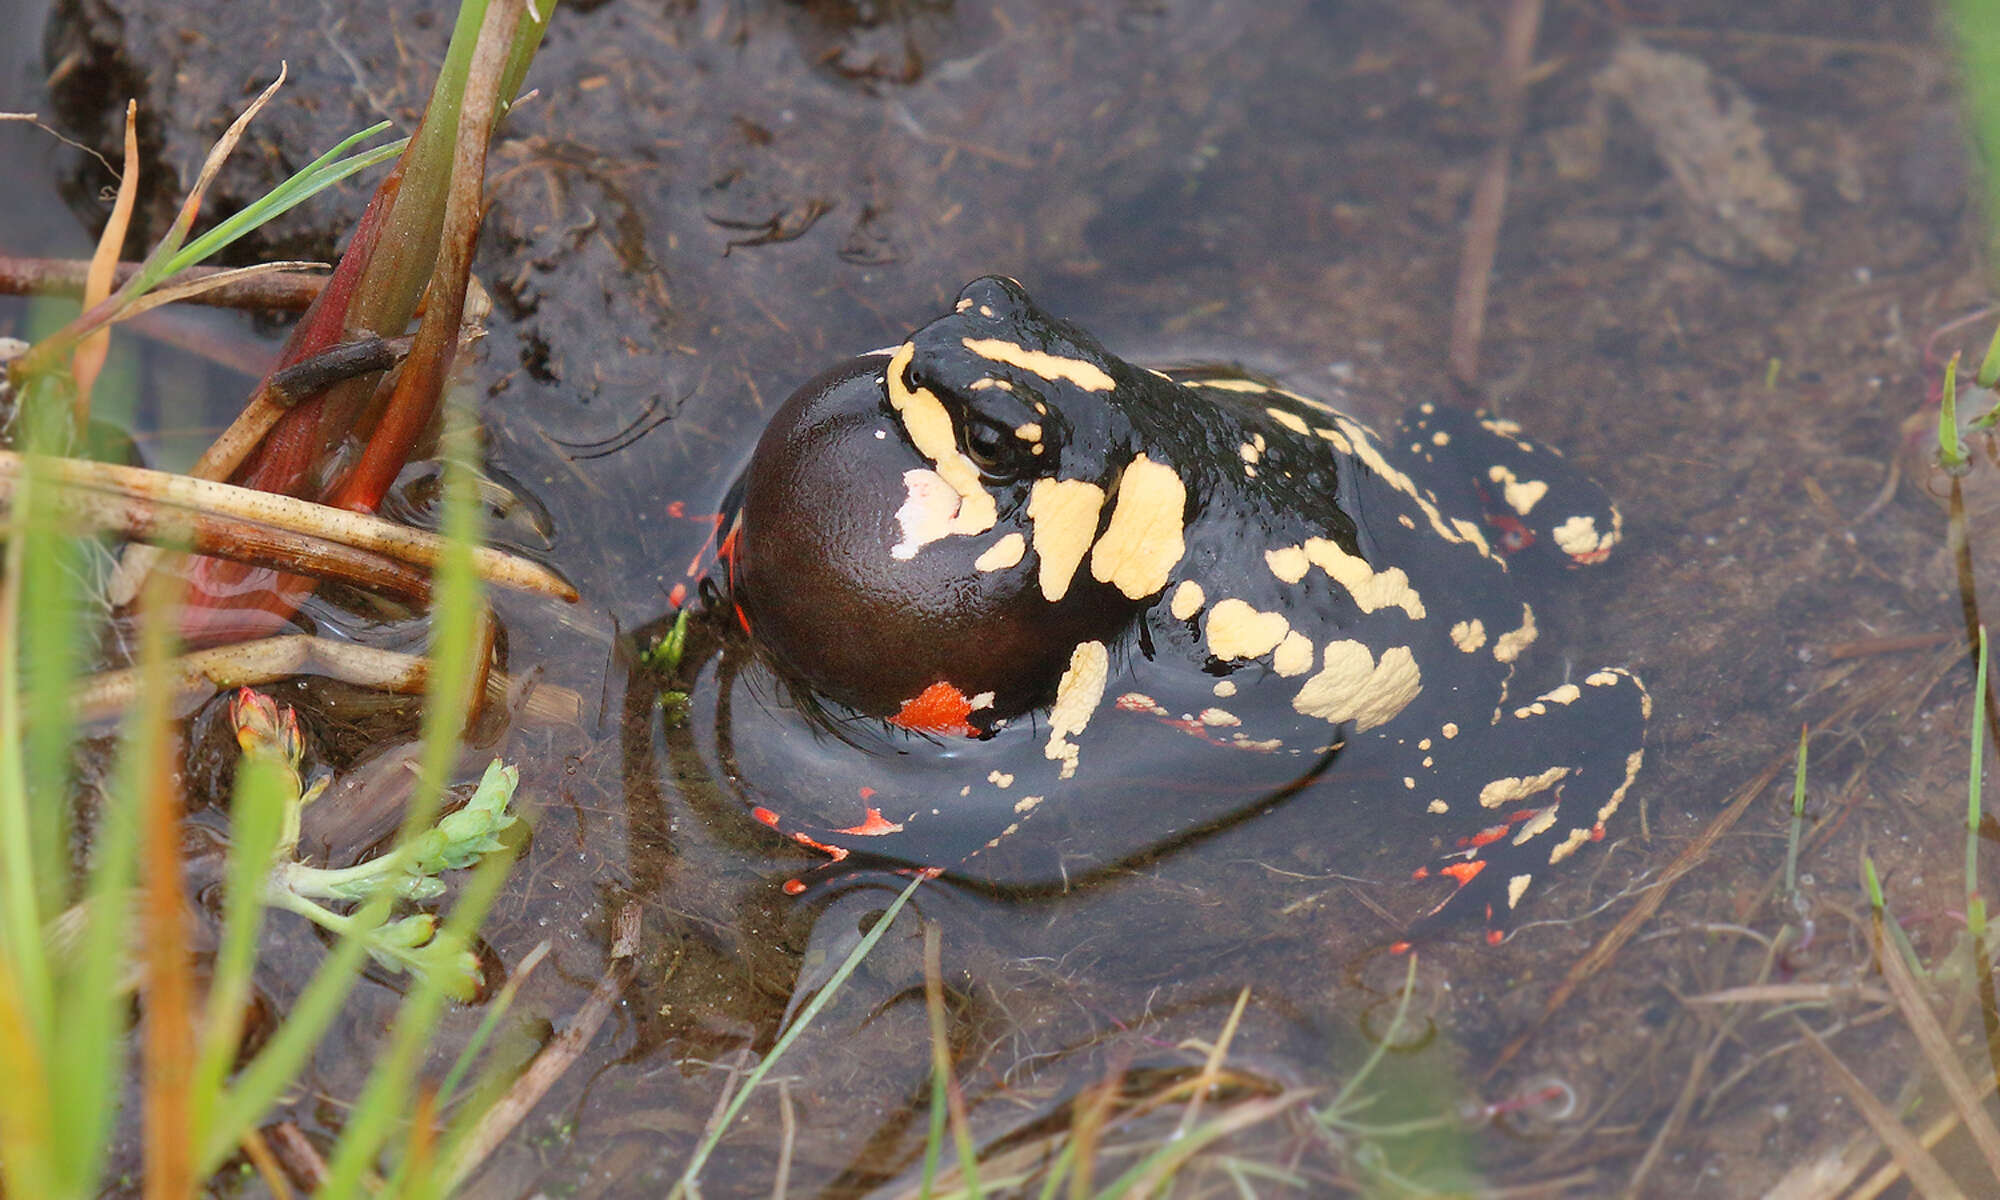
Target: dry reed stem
point(414, 546)
point(90, 511)
point(167, 1049)
point(270, 659)
point(22, 276)
point(87, 360)
point(1933, 1133)
point(1936, 1045)
point(1924, 1171)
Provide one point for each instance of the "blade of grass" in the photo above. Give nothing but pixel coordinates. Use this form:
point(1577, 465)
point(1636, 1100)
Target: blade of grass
point(89, 1041)
point(1951, 450)
point(258, 1086)
point(721, 1124)
point(28, 1162)
point(1211, 1068)
point(943, 1086)
point(456, 623)
point(1338, 1104)
point(385, 1097)
point(1978, 43)
point(20, 901)
point(256, 823)
point(1798, 819)
point(501, 1106)
point(1161, 1164)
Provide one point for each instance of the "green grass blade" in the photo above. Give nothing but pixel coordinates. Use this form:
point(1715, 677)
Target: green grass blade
point(21, 913)
point(89, 1043)
point(385, 1098)
point(798, 1026)
point(1798, 818)
point(280, 200)
point(455, 617)
point(1978, 41)
point(278, 1064)
point(1989, 367)
point(1354, 1082)
point(1951, 450)
point(256, 822)
point(51, 649)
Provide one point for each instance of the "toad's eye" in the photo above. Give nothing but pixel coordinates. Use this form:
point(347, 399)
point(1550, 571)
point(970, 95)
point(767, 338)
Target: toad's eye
point(995, 451)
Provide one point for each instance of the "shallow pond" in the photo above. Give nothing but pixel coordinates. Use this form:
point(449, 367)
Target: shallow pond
point(1729, 240)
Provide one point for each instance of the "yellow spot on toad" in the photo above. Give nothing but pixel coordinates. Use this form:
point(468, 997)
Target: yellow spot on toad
point(1077, 695)
point(1086, 375)
point(1002, 554)
point(930, 429)
point(1288, 563)
point(1508, 789)
point(1142, 542)
point(1187, 601)
point(1294, 655)
point(1289, 420)
point(1064, 513)
point(1353, 686)
point(1236, 630)
point(1508, 646)
point(1371, 589)
point(1521, 496)
point(1579, 537)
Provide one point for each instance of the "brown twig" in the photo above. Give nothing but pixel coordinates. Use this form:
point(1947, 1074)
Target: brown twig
point(167, 1045)
point(554, 1059)
point(415, 547)
point(1489, 195)
point(271, 659)
point(242, 541)
point(289, 292)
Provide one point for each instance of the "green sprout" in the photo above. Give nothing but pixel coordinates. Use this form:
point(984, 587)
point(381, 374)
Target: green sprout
point(1951, 450)
point(459, 839)
point(664, 656)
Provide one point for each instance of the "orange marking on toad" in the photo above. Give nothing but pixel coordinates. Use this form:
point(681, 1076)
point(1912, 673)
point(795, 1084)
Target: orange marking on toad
point(939, 708)
point(873, 825)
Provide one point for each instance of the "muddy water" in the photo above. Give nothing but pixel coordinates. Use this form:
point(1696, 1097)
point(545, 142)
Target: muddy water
point(710, 201)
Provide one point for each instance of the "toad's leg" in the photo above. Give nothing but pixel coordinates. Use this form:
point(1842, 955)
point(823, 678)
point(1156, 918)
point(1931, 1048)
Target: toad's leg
point(1530, 790)
point(1535, 505)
